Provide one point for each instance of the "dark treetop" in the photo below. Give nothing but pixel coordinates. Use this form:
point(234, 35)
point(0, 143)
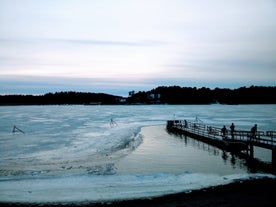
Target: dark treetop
point(159, 95)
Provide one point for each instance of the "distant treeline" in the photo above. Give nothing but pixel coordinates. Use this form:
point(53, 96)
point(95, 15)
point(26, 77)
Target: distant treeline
point(159, 95)
point(59, 98)
point(192, 95)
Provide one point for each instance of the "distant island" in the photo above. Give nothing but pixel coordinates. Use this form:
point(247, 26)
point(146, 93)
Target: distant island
point(159, 95)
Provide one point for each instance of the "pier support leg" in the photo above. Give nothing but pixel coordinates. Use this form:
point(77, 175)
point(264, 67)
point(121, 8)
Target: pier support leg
point(274, 156)
point(251, 150)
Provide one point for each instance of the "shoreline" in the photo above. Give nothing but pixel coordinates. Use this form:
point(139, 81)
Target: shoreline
point(253, 192)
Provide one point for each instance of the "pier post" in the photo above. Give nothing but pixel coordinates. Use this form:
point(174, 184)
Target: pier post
point(274, 156)
point(251, 150)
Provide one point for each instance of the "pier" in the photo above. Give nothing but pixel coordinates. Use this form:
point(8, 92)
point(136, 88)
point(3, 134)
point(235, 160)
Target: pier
point(240, 141)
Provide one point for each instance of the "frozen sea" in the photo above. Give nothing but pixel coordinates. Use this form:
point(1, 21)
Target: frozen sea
point(74, 153)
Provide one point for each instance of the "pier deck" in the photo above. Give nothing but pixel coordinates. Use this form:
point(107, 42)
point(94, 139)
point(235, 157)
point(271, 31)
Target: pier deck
point(240, 140)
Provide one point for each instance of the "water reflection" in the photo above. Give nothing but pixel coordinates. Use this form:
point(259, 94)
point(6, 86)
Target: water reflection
point(236, 160)
point(200, 145)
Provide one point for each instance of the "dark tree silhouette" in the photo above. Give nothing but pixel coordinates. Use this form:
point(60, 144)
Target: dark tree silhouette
point(159, 95)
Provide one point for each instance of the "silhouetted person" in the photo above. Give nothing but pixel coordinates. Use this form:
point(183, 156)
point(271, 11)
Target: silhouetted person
point(254, 131)
point(185, 123)
point(223, 131)
point(232, 128)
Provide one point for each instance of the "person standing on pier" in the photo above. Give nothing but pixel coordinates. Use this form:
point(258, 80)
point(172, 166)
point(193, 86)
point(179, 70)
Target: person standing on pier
point(254, 131)
point(223, 131)
point(232, 128)
point(185, 123)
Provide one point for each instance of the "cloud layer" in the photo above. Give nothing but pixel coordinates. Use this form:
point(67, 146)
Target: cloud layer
point(136, 44)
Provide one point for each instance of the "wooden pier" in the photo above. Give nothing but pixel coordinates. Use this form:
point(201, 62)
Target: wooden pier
point(241, 141)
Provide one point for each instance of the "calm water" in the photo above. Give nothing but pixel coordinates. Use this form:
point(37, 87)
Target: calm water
point(73, 153)
point(161, 152)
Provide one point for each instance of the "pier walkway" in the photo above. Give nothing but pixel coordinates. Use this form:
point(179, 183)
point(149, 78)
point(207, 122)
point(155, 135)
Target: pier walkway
point(240, 140)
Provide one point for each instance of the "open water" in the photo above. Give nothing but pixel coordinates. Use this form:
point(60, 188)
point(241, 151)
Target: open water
point(74, 153)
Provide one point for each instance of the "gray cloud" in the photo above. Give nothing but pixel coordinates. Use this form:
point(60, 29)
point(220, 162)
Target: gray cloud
point(110, 43)
point(174, 42)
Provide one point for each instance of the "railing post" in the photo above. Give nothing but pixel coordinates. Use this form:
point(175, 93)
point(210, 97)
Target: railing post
point(251, 150)
point(274, 155)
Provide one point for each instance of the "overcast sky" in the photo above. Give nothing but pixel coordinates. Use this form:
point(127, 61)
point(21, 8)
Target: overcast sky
point(115, 46)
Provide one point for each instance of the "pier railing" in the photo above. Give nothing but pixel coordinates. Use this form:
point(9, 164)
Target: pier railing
point(198, 128)
point(266, 139)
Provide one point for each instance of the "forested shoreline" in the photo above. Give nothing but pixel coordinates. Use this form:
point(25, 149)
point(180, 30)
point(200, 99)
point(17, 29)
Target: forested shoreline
point(159, 95)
